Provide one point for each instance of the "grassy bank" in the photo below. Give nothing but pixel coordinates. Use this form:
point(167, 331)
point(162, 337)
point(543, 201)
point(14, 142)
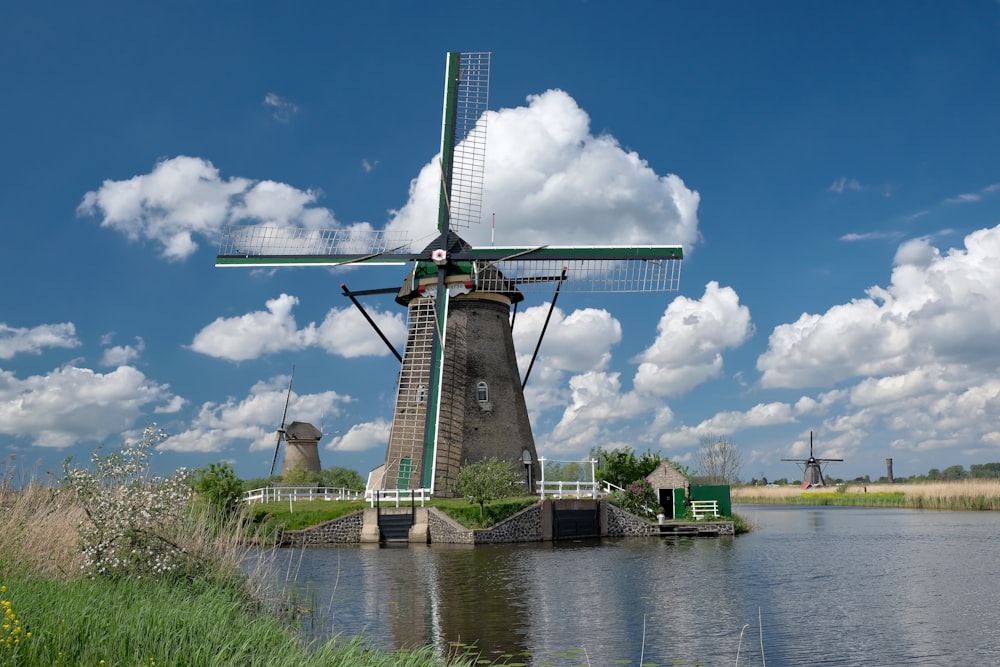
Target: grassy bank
point(301, 514)
point(141, 622)
point(971, 495)
point(53, 613)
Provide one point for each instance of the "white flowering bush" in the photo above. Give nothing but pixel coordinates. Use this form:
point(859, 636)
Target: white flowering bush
point(134, 518)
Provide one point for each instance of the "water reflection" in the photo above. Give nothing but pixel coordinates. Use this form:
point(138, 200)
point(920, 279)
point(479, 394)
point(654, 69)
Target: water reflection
point(832, 586)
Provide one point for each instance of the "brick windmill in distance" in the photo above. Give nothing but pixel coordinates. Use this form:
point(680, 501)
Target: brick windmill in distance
point(301, 442)
point(460, 397)
point(812, 470)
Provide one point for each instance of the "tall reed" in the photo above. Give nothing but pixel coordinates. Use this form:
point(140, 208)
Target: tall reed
point(217, 616)
point(971, 495)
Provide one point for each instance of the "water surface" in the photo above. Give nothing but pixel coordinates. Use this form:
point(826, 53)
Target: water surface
point(831, 585)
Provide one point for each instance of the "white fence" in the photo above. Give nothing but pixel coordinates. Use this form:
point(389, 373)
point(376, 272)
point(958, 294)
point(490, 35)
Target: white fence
point(395, 495)
point(573, 489)
point(293, 493)
point(704, 508)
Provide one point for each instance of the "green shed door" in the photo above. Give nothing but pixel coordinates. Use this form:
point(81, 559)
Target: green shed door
point(679, 508)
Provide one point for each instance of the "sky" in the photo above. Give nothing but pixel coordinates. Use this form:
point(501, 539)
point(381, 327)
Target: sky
point(831, 170)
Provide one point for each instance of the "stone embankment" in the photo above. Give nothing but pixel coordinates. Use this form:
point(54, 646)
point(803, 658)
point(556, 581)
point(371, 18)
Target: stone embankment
point(532, 524)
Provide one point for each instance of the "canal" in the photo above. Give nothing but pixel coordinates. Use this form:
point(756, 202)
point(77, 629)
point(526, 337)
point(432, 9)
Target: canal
point(814, 585)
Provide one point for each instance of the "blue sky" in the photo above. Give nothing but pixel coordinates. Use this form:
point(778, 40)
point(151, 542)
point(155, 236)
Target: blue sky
point(831, 169)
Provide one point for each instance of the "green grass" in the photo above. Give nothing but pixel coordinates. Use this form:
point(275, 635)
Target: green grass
point(158, 622)
point(303, 513)
point(307, 513)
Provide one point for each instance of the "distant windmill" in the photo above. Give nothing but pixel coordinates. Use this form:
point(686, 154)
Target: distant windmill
point(460, 398)
point(301, 442)
point(812, 472)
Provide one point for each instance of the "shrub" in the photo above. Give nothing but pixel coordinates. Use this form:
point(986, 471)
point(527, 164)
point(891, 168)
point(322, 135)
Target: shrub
point(133, 518)
point(637, 498)
point(219, 486)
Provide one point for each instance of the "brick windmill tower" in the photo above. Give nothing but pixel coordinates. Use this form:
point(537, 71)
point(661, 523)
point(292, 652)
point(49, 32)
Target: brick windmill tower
point(460, 398)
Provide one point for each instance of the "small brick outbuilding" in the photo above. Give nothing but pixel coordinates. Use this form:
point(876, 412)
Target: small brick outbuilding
point(671, 489)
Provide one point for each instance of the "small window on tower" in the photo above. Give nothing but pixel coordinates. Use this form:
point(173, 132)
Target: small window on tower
point(483, 392)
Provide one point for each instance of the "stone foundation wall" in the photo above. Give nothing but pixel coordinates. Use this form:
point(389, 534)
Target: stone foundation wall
point(345, 530)
point(525, 526)
point(624, 524)
point(445, 530)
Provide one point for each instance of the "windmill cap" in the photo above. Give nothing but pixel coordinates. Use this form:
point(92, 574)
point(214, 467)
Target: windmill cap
point(302, 431)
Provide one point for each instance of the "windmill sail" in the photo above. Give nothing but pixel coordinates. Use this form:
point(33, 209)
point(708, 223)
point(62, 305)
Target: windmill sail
point(812, 468)
point(459, 397)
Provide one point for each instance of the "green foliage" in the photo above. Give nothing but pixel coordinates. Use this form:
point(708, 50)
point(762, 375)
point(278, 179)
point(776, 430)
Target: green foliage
point(260, 482)
point(621, 467)
point(305, 513)
point(486, 481)
point(219, 486)
point(984, 470)
point(572, 471)
point(953, 472)
point(338, 477)
point(299, 476)
point(495, 512)
point(639, 498)
point(138, 622)
point(134, 518)
point(741, 524)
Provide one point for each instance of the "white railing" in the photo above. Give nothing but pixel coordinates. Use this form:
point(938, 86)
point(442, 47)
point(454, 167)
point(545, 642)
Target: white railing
point(608, 487)
point(396, 495)
point(293, 493)
point(575, 489)
point(703, 508)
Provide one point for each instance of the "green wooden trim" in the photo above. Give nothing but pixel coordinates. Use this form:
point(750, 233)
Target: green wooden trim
point(434, 394)
point(448, 137)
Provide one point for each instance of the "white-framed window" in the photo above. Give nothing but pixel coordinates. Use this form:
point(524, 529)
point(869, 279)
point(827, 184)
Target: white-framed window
point(483, 392)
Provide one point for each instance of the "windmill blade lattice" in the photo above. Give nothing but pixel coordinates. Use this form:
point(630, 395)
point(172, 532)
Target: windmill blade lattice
point(468, 156)
point(459, 397)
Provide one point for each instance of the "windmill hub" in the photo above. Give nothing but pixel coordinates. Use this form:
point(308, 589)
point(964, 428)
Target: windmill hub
point(439, 257)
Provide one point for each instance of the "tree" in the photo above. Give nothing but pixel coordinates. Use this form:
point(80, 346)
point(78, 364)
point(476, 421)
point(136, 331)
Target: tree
point(338, 477)
point(621, 467)
point(719, 461)
point(219, 486)
point(299, 476)
point(953, 472)
point(486, 481)
point(984, 470)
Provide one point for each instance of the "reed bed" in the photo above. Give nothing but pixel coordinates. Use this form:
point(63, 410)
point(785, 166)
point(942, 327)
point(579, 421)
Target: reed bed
point(962, 495)
point(54, 614)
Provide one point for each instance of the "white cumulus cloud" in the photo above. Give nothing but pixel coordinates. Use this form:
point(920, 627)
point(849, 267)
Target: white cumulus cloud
point(691, 336)
point(550, 181)
point(70, 404)
point(20, 340)
point(252, 420)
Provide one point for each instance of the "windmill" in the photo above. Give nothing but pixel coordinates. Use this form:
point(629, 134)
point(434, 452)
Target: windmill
point(459, 398)
point(812, 472)
point(301, 441)
point(280, 433)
